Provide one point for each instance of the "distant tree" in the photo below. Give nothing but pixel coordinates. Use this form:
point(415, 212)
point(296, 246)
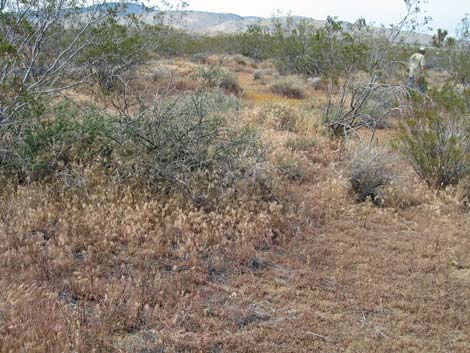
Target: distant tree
point(450, 42)
point(458, 56)
point(439, 38)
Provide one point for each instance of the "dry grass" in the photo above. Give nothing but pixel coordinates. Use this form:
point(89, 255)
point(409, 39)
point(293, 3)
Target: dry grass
point(109, 268)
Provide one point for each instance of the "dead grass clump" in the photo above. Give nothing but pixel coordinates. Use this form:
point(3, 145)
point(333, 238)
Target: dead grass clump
point(33, 319)
point(183, 84)
point(464, 192)
point(290, 166)
point(301, 143)
point(290, 86)
point(161, 73)
point(287, 117)
point(369, 169)
point(405, 192)
point(241, 60)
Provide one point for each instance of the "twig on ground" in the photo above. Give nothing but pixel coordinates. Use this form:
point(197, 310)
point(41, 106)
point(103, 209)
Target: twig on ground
point(324, 338)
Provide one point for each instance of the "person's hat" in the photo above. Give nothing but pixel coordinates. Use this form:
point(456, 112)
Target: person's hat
point(422, 49)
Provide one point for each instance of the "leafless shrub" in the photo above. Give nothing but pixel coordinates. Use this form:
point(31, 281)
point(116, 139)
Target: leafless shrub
point(368, 105)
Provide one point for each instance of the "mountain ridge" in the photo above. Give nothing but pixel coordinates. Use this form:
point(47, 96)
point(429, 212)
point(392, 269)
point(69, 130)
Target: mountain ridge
point(211, 23)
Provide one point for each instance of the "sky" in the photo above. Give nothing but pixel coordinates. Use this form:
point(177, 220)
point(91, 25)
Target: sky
point(445, 14)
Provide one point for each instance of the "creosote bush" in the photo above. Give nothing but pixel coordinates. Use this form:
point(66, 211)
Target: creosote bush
point(436, 139)
point(55, 143)
point(290, 86)
point(368, 169)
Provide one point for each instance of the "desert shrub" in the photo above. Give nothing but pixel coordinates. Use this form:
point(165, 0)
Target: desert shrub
point(302, 48)
point(457, 61)
point(456, 57)
point(216, 76)
point(115, 50)
point(361, 105)
point(464, 192)
point(290, 86)
point(161, 73)
point(200, 58)
point(315, 82)
point(436, 140)
point(241, 60)
point(184, 143)
point(263, 74)
point(55, 143)
point(368, 169)
point(380, 105)
point(258, 75)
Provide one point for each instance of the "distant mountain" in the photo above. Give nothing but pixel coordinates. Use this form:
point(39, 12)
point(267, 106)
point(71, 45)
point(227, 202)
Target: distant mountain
point(213, 23)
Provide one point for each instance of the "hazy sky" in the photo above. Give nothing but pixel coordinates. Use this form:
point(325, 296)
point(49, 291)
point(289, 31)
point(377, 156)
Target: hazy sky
point(445, 13)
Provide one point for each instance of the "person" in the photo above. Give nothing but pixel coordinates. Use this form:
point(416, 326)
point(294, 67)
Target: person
point(417, 68)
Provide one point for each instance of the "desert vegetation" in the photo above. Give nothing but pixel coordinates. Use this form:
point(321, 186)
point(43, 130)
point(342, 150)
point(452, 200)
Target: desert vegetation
point(273, 190)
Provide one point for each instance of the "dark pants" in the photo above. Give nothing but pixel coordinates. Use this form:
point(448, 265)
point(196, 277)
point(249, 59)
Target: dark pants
point(420, 82)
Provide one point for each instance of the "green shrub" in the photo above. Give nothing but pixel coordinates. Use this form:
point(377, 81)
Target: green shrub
point(290, 86)
point(436, 139)
point(50, 145)
point(115, 50)
point(216, 76)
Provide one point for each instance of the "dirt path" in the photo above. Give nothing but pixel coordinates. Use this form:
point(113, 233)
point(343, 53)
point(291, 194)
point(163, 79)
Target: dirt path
point(357, 278)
